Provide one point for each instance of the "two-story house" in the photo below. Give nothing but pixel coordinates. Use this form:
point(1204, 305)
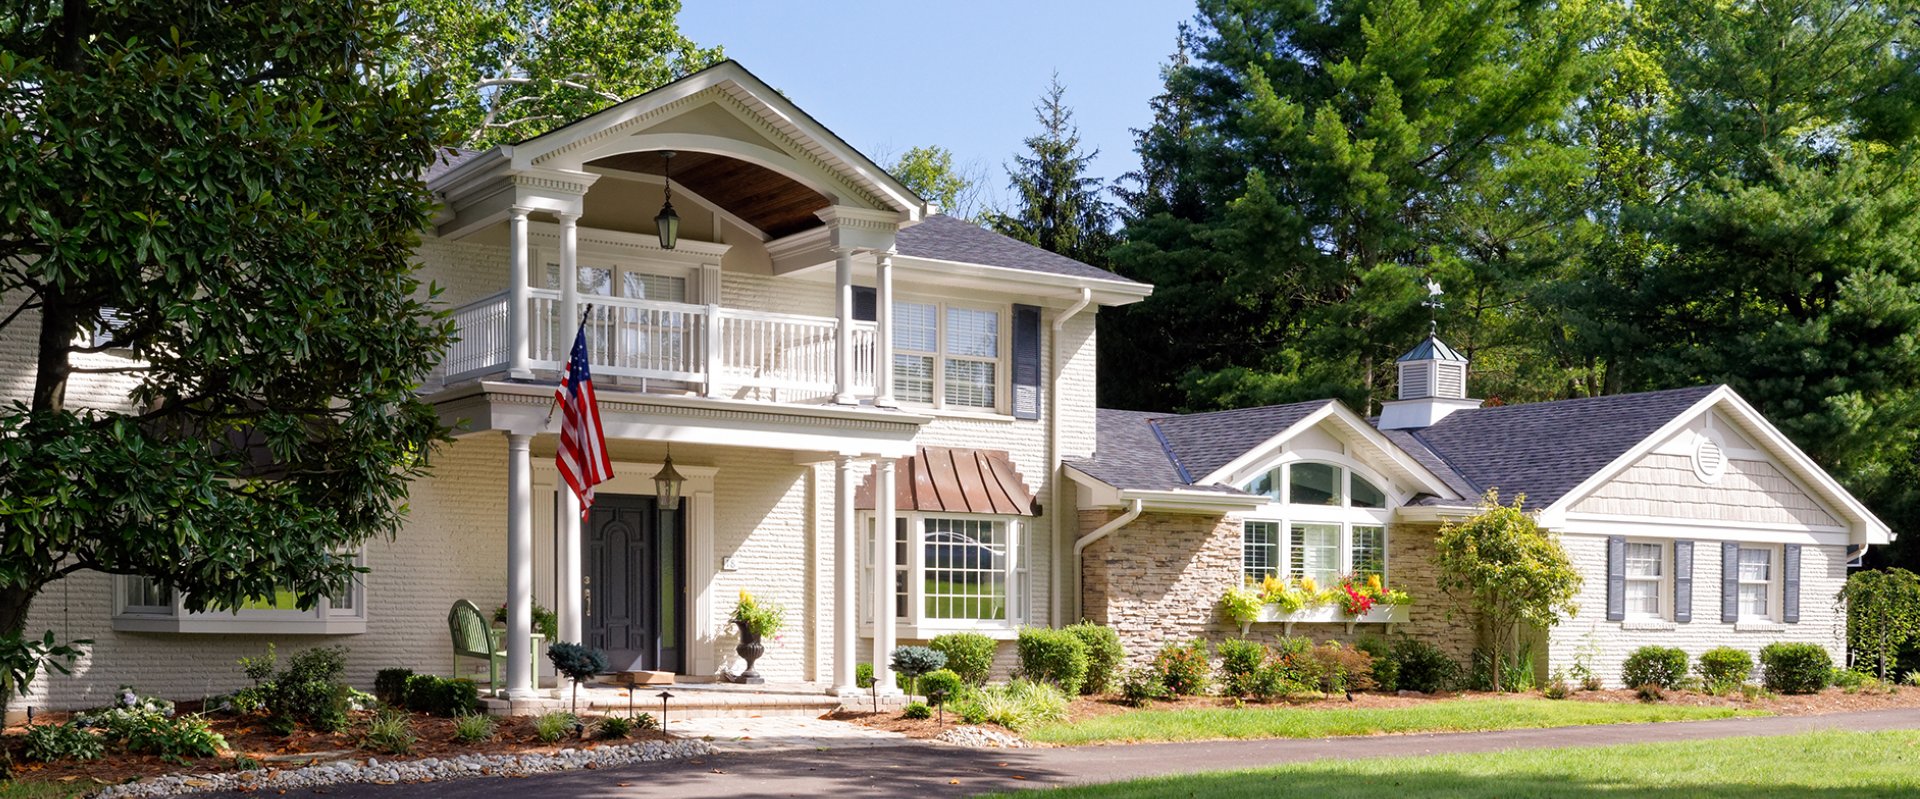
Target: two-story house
point(809, 330)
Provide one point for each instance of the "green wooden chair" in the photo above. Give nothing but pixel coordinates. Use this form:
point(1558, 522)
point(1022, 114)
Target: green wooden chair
point(474, 638)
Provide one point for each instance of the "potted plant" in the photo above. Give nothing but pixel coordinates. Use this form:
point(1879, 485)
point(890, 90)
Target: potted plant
point(755, 620)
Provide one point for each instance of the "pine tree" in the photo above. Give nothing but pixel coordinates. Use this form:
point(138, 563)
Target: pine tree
point(1058, 205)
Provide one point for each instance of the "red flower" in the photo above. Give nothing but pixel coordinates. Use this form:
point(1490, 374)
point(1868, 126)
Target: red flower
point(1355, 603)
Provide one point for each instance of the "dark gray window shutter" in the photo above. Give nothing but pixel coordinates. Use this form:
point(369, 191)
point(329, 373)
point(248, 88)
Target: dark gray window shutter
point(1683, 581)
point(866, 304)
point(1026, 362)
point(1790, 594)
point(1729, 582)
point(1616, 578)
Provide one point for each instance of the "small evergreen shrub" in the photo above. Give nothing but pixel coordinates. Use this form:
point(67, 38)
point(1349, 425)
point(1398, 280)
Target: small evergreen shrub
point(1053, 656)
point(440, 696)
point(49, 743)
point(578, 664)
point(472, 728)
point(1141, 687)
point(389, 731)
point(390, 686)
point(1423, 667)
point(1791, 668)
point(916, 710)
point(942, 686)
point(553, 726)
point(1104, 656)
point(1724, 669)
point(612, 728)
point(1386, 670)
point(1241, 662)
point(969, 655)
point(863, 675)
point(1182, 668)
point(912, 661)
point(1654, 665)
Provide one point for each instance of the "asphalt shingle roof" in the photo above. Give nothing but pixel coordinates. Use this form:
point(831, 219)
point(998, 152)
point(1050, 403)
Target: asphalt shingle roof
point(444, 161)
point(1204, 442)
point(1127, 454)
point(1545, 449)
point(945, 238)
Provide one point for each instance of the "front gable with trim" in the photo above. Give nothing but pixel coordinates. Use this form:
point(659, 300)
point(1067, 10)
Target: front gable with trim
point(1708, 473)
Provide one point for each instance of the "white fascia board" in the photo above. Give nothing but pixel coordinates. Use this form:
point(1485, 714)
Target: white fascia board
point(1866, 527)
point(1179, 501)
point(1433, 513)
point(1107, 293)
point(1694, 529)
point(1357, 428)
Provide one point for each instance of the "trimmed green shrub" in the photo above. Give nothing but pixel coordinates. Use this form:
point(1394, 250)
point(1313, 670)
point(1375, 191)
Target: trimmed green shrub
point(389, 731)
point(1182, 668)
point(1421, 666)
point(470, 728)
point(942, 686)
point(969, 655)
point(48, 743)
point(308, 692)
point(1053, 656)
point(578, 663)
point(1654, 665)
point(912, 661)
point(916, 710)
point(1847, 679)
point(390, 685)
point(1795, 668)
point(1724, 669)
point(863, 675)
point(1386, 670)
point(440, 696)
point(1241, 663)
point(1141, 687)
point(1104, 655)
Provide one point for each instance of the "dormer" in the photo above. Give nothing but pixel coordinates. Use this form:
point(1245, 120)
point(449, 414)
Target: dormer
point(1433, 383)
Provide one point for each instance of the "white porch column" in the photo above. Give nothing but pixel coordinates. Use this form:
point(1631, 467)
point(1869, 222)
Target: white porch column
point(569, 279)
point(883, 575)
point(519, 567)
point(883, 335)
point(846, 619)
point(843, 340)
point(517, 293)
point(572, 580)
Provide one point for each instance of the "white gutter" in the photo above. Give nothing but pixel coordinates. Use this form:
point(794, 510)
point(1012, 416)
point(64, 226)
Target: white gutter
point(1054, 511)
point(1080, 546)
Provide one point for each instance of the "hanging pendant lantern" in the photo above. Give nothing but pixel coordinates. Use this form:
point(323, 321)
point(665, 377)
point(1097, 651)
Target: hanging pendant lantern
point(668, 222)
point(666, 485)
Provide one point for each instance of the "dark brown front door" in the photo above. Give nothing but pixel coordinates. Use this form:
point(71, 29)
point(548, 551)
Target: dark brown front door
point(635, 587)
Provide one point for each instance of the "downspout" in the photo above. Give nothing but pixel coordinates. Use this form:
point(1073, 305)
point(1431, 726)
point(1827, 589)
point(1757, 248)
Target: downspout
point(1060, 603)
point(1080, 546)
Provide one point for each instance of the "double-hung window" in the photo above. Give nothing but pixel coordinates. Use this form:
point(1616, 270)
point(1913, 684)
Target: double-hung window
point(949, 355)
point(1645, 575)
point(1259, 550)
point(1756, 583)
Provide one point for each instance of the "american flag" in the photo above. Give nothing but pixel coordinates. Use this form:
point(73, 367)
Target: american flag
point(582, 457)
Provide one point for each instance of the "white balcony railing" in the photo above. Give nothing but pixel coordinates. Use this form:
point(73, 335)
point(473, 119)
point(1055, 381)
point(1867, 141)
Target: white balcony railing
point(706, 348)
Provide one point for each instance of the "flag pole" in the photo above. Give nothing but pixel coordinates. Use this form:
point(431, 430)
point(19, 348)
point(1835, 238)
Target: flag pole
point(584, 313)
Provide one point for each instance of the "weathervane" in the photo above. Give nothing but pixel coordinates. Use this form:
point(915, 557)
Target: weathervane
point(1433, 305)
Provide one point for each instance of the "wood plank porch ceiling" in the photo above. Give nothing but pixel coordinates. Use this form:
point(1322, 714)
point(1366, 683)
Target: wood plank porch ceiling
point(774, 203)
point(953, 480)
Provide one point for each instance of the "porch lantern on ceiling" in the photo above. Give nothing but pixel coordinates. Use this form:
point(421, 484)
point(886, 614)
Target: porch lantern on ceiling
point(668, 222)
point(666, 485)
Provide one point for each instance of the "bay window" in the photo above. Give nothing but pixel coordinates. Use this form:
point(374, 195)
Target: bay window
point(144, 604)
point(952, 571)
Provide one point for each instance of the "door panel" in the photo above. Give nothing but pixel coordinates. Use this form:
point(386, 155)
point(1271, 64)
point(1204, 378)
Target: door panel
point(637, 592)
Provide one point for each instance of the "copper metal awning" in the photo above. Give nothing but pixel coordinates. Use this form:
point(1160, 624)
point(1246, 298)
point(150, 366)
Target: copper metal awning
point(953, 480)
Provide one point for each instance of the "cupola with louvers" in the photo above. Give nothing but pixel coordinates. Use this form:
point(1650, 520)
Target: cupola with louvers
point(1433, 383)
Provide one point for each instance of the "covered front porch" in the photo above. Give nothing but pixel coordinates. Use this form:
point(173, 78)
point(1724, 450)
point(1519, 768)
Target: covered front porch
point(766, 506)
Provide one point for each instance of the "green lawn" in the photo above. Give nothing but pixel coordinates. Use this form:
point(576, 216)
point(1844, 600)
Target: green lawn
point(1821, 765)
point(1462, 715)
point(12, 789)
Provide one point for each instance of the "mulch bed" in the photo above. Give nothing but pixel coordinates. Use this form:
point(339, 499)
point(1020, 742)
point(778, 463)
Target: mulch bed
point(1831, 700)
point(249, 736)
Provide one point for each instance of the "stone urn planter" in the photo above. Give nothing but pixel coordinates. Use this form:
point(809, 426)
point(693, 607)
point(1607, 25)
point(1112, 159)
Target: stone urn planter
point(750, 648)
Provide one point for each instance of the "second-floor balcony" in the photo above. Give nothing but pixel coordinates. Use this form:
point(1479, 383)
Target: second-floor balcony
point(650, 345)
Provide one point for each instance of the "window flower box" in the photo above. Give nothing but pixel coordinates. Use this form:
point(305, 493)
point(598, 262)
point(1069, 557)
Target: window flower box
point(1329, 614)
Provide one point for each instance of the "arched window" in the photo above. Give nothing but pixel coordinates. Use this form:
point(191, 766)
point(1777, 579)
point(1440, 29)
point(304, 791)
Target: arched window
point(1325, 522)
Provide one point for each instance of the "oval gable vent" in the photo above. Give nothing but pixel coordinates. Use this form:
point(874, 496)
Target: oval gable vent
point(1709, 458)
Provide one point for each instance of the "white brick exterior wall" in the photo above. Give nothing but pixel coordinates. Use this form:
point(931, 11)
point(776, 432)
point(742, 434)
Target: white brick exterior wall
point(1605, 644)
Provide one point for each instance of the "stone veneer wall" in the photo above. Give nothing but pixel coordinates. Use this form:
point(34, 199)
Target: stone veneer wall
point(1160, 579)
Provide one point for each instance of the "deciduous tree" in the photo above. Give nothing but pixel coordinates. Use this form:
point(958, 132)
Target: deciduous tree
point(1509, 570)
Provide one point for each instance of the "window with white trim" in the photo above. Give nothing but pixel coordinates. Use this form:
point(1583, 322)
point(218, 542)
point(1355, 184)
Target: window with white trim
point(949, 355)
point(144, 604)
point(1325, 522)
point(1645, 580)
point(1317, 483)
point(1315, 552)
point(952, 571)
point(1259, 550)
point(1756, 583)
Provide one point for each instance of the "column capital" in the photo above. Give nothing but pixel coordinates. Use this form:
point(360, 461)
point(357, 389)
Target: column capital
point(567, 218)
point(518, 211)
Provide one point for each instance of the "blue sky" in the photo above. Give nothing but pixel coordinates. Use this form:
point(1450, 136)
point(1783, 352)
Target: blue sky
point(963, 75)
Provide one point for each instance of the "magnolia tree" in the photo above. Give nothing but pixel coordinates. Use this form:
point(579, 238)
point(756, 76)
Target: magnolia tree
point(1509, 569)
point(1883, 614)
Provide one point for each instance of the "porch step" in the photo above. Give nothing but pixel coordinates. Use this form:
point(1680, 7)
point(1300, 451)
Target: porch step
point(683, 704)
